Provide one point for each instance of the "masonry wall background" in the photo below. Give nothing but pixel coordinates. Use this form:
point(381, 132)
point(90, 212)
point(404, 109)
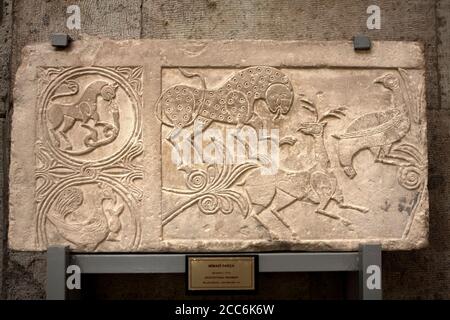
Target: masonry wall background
point(422, 274)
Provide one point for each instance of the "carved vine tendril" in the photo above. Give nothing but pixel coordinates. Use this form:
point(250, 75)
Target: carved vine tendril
point(411, 166)
point(211, 190)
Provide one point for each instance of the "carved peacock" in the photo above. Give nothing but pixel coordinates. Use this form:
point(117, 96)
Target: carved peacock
point(378, 131)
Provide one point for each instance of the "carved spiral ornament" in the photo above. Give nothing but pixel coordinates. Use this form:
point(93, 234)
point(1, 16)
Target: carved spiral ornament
point(197, 180)
point(88, 172)
point(410, 177)
point(209, 204)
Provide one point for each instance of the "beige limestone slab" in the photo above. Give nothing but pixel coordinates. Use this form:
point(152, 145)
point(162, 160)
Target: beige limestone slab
point(95, 131)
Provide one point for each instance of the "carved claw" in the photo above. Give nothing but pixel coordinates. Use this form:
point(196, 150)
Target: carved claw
point(350, 172)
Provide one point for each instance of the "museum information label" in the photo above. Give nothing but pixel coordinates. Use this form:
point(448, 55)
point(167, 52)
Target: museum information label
point(218, 146)
point(221, 273)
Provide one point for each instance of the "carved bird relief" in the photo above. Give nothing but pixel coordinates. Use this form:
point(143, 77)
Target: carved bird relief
point(85, 233)
point(378, 131)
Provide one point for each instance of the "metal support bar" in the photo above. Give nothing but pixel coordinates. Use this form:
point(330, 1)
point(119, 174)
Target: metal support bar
point(370, 272)
point(57, 258)
point(367, 261)
point(308, 262)
point(130, 263)
point(175, 263)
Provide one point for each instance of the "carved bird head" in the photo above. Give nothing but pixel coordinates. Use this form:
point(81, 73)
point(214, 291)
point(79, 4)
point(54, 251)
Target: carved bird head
point(389, 81)
point(312, 128)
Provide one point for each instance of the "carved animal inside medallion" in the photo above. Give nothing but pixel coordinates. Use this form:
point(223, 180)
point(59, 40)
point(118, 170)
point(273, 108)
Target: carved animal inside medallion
point(62, 117)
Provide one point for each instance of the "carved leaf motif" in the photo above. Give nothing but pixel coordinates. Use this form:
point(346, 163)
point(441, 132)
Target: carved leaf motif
point(307, 104)
point(133, 76)
point(211, 190)
point(409, 153)
point(48, 74)
point(127, 171)
point(334, 113)
point(61, 171)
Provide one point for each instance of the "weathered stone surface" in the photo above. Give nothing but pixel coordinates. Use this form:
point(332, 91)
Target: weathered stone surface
point(2, 204)
point(97, 152)
point(35, 21)
point(5, 52)
point(443, 31)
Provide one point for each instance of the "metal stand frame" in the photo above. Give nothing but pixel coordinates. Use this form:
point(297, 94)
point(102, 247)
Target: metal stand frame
point(59, 258)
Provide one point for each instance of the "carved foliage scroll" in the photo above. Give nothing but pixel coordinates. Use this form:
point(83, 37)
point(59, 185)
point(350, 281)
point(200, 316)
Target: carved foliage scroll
point(88, 157)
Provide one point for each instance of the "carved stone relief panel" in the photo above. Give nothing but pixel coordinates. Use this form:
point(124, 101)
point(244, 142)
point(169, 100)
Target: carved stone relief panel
point(334, 144)
point(88, 170)
point(261, 145)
